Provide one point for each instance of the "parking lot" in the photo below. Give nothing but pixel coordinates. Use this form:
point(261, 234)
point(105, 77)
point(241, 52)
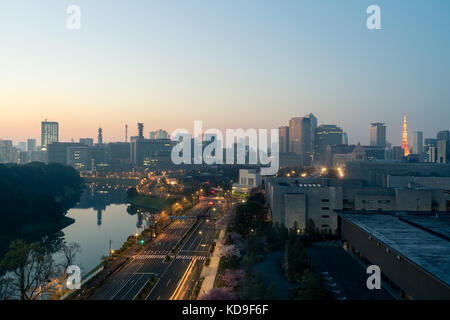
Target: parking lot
point(341, 274)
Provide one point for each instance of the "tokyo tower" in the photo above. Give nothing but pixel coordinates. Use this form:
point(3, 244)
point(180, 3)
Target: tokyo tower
point(405, 138)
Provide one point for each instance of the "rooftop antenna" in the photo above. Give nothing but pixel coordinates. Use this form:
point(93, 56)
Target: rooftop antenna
point(126, 133)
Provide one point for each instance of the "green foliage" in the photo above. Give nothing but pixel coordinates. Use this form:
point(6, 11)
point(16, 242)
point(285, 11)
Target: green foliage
point(254, 288)
point(35, 193)
point(30, 266)
point(296, 259)
point(132, 192)
point(310, 288)
point(250, 216)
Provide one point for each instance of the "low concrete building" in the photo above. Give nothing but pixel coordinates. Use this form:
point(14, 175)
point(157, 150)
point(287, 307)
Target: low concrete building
point(412, 250)
point(299, 200)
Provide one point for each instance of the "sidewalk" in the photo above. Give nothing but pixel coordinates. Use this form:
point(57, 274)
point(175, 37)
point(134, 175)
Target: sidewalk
point(209, 272)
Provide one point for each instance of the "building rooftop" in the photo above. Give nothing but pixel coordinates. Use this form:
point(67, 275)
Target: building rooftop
point(427, 250)
point(438, 223)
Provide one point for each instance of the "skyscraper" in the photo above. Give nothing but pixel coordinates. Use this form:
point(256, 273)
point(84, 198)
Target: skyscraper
point(300, 138)
point(443, 135)
point(284, 138)
point(313, 128)
point(31, 145)
point(140, 131)
point(49, 133)
point(378, 134)
point(417, 143)
point(405, 146)
point(344, 137)
point(326, 135)
point(100, 136)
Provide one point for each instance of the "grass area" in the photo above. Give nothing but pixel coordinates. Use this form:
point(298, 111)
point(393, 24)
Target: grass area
point(149, 202)
point(146, 289)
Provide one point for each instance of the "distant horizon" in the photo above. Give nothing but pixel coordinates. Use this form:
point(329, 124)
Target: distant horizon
point(232, 64)
point(134, 132)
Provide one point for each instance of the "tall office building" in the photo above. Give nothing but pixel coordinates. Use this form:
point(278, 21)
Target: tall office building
point(284, 138)
point(100, 136)
point(140, 130)
point(313, 127)
point(326, 135)
point(378, 134)
point(300, 138)
point(430, 156)
point(417, 143)
point(31, 145)
point(49, 133)
point(443, 135)
point(22, 146)
point(443, 151)
point(344, 137)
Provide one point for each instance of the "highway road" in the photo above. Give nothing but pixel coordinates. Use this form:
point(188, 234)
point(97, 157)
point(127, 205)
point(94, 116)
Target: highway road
point(197, 246)
point(129, 280)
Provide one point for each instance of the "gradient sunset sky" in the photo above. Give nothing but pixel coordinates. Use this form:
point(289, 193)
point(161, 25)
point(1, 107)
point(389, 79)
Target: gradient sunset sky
point(234, 63)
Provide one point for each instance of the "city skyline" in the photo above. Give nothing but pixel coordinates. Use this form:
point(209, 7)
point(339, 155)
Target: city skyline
point(226, 67)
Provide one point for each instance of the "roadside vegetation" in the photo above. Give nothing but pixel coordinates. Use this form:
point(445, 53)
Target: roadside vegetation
point(250, 237)
point(29, 272)
point(146, 289)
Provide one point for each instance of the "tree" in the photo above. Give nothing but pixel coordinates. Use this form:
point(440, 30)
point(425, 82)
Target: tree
point(31, 267)
point(231, 278)
point(310, 288)
point(219, 294)
point(271, 292)
point(67, 252)
point(5, 288)
point(132, 192)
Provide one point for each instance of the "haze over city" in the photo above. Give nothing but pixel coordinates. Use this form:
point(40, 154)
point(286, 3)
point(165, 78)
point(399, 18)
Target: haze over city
point(230, 64)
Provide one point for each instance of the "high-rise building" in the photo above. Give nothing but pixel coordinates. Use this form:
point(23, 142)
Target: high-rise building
point(432, 154)
point(31, 145)
point(378, 134)
point(443, 151)
point(430, 143)
point(140, 130)
point(49, 133)
point(417, 143)
point(405, 146)
point(100, 136)
point(344, 137)
point(284, 138)
point(313, 128)
point(326, 135)
point(22, 146)
point(300, 138)
point(443, 135)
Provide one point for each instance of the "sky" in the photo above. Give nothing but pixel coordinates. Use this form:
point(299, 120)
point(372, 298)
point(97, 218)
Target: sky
point(232, 64)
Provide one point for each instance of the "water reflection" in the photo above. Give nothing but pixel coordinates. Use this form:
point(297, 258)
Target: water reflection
point(101, 216)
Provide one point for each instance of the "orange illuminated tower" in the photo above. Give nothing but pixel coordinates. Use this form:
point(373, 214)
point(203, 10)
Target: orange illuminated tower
point(405, 138)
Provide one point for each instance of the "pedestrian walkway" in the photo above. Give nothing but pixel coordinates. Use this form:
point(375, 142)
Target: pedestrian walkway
point(150, 256)
point(209, 272)
point(191, 257)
